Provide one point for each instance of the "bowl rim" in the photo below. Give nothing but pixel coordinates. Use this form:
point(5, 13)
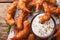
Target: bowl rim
point(51, 33)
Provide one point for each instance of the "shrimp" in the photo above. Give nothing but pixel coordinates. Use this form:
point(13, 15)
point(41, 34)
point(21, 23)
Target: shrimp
point(9, 18)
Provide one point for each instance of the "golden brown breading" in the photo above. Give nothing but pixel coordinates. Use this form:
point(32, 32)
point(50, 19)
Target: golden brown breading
point(24, 32)
point(19, 21)
point(22, 6)
point(51, 9)
point(31, 3)
point(38, 3)
point(10, 13)
point(31, 37)
point(44, 18)
point(51, 1)
point(46, 7)
point(56, 11)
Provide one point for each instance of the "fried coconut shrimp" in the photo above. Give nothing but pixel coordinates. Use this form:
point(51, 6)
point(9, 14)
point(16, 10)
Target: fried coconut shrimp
point(38, 3)
point(57, 34)
point(49, 9)
point(44, 18)
point(19, 20)
point(31, 37)
point(22, 5)
point(10, 13)
point(51, 1)
point(31, 3)
point(24, 32)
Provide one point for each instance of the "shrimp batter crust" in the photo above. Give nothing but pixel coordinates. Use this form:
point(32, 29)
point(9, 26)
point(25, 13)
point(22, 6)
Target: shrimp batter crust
point(22, 5)
point(31, 37)
point(19, 20)
point(49, 10)
point(44, 18)
point(9, 18)
point(24, 32)
point(38, 3)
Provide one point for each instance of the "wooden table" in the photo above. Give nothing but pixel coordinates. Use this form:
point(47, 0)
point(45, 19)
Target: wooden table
point(4, 4)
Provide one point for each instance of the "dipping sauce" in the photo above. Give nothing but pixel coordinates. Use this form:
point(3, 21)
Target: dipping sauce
point(42, 30)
